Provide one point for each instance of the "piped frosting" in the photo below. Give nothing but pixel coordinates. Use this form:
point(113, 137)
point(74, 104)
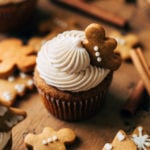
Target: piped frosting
point(65, 64)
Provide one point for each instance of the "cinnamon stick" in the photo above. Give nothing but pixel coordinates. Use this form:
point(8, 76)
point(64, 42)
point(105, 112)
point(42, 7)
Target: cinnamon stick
point(142, 67)
point(97, 12)
point(134, 99)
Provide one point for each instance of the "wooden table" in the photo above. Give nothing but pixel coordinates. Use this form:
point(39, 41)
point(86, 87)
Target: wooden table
point(93, 133)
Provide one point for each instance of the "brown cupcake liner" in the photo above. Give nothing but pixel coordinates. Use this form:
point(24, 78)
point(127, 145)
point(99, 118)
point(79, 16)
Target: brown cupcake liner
point(15, 16)
point(73, 110)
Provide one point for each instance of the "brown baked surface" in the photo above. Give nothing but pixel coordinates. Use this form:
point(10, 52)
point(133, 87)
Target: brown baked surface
point(65, 95)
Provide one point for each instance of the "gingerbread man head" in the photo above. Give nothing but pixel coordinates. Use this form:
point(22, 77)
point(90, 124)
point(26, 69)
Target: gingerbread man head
point(50, 139)
point(101, 48)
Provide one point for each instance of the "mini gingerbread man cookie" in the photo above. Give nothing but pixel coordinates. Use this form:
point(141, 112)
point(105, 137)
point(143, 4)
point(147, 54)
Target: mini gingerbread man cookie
point(15, 86)
point(141, 138)
point(50, 139)
point(9, 117)
point(101, 48)
point(125, 44)
point(15, 55)
point(120, 142)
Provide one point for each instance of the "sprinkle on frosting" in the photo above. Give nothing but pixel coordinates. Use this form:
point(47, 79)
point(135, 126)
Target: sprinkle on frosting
point(64, 63)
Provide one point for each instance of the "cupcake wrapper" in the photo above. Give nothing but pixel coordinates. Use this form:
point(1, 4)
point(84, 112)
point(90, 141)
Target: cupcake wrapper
point(73, 110)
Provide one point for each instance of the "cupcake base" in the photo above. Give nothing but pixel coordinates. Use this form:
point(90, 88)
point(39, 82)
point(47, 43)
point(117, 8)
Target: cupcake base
point(72, 106)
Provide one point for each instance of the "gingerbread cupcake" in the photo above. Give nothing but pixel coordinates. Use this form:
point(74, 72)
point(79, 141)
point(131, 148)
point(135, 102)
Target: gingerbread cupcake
point(14, 14)
point(74, 71)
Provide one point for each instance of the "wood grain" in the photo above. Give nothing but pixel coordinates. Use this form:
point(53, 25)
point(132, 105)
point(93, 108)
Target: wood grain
point(93, 133)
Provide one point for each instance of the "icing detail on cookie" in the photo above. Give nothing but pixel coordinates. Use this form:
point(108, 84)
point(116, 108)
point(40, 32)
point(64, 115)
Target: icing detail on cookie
point(64, 63)
point(142, 141)
point(4, 138)
point(20, 88)
point(11, 78)
point(3, 110)
point(108, 146)
point(121, 41)
point(120, 136)
point(10, 122)
point(44, 142)
point(7, 96)
point(97, 54)
point(23, 75)
point(50, 140)
point(99, 59)
point(95, 48)
point(30, 82)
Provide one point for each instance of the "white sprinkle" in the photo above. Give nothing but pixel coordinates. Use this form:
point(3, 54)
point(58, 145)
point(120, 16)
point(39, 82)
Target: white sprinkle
point(11, 78)
point(97, 54)
point(30, 82)
point(3, 110)
point(20, 88)
point(120, 136)
point(23, 75)
point(7, 96)
point(99, 59)
point(108, 146)
point(44, 142)
point(95, 48)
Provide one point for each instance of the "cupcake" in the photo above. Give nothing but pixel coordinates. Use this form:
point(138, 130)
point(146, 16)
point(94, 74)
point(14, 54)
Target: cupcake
point(74, 71)
point(15, 14)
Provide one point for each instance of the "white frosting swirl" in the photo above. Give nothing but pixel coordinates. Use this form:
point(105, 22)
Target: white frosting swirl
point(4, 138)
point(65, 64)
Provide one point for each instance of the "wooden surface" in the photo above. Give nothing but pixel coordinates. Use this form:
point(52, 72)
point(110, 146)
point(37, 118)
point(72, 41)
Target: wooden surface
point(94, 133)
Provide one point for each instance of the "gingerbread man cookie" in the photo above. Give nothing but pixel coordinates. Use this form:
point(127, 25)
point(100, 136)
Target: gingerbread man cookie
point(15, 55)
point(101, 48)
point(15, 86)
point(9, 117)
point(125, 44)
point(50, 139)
point(120, 142)
point(141, 138)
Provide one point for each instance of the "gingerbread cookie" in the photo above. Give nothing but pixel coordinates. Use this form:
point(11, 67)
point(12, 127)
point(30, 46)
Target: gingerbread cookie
point(101, 48)
point(15, 55)
point(50, 139)
point(125, 44)
point(9, 117)
point(141, 138)
point(120, 142)
point(15, 86)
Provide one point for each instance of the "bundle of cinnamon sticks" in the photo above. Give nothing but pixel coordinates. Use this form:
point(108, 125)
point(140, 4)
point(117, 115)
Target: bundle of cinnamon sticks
point(143, 69)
